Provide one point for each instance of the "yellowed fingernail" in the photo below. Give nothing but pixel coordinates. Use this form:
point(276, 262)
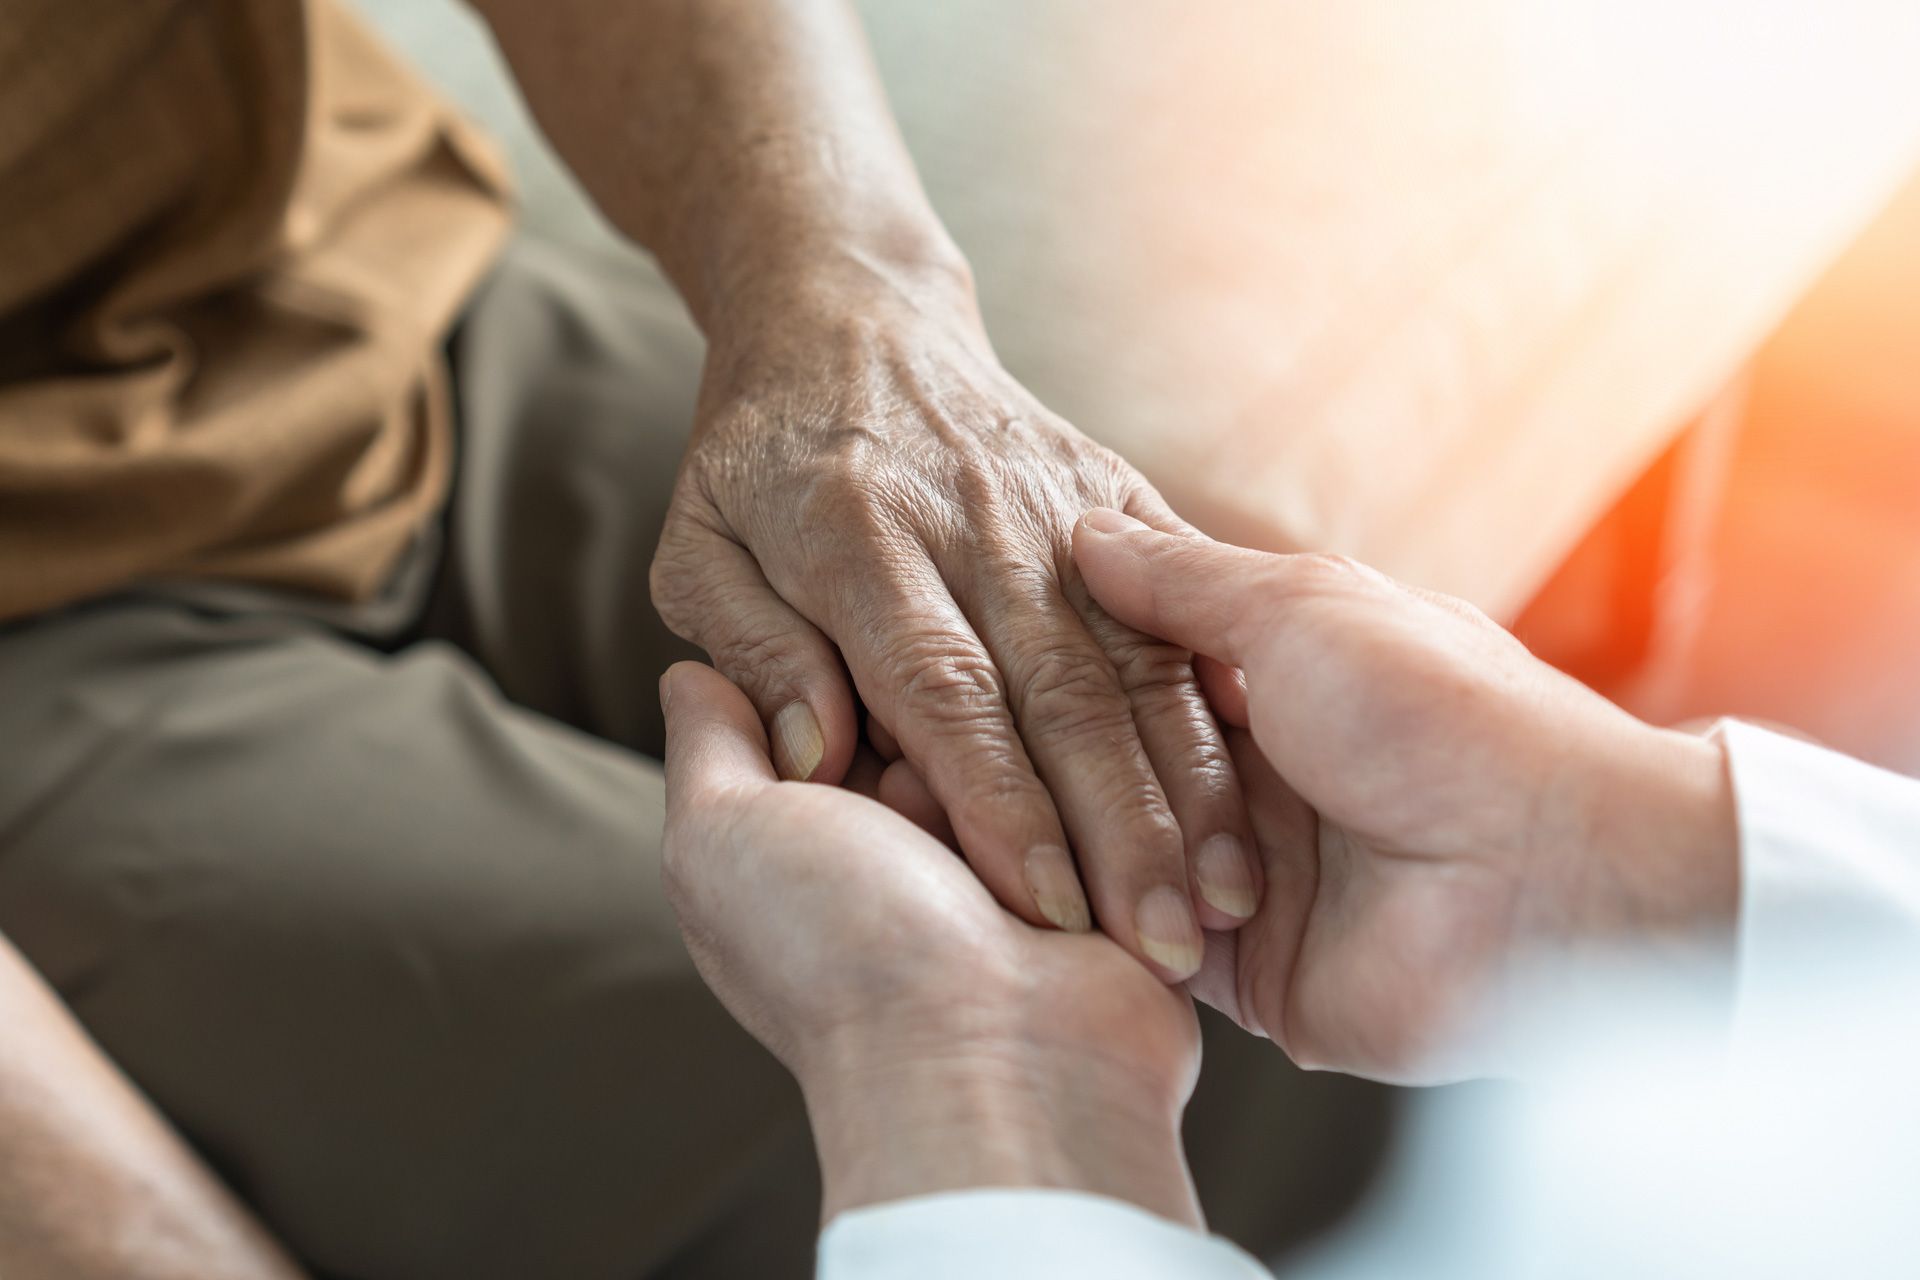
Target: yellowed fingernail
point(1225, 877)
point(1056, 889)
point(797, 743)
point(1168, 932)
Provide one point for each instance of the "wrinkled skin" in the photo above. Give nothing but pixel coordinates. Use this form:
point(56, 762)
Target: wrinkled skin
point(982, 1050)
point(876, 502)
point(1437, 809)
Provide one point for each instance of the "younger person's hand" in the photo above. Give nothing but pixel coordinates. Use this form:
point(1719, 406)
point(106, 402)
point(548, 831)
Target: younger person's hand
point(940, 1041)
point(1433, 803)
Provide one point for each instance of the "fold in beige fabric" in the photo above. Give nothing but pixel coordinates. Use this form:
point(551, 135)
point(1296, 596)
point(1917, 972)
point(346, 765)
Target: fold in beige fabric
point(236, 232)
point(392, 948)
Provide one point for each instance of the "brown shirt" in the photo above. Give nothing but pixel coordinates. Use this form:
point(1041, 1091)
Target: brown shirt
point(233, 234)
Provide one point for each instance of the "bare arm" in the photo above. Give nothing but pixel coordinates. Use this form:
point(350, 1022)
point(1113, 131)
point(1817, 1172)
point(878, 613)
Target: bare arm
point(867, 492)
point(93, 1184)
point(744, 142)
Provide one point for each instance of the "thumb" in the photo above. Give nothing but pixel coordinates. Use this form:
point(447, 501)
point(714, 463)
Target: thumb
point(1201, 595)
point(710, 590)
point(714, 739)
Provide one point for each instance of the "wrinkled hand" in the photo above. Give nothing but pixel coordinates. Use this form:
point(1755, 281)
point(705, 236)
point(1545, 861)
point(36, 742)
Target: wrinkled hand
point(866, 483)
point(1434, 805)
point(940, 1042)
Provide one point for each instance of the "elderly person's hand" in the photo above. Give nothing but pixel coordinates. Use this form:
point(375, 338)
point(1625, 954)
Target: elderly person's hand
point(869, 502)
point(940, 1042)
point(1434, 804)
point(867, 484)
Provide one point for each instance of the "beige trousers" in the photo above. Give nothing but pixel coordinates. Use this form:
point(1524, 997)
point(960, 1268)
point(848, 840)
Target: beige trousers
point(368, 901)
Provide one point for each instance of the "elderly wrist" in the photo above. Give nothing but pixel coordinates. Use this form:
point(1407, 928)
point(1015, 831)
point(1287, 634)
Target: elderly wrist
point(896, 268)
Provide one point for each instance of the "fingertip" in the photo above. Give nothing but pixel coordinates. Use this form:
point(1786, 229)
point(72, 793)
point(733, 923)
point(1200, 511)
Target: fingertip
point(1226, 880)
point(1107, 520)
point(1055, 885)
point(713, 733)
point(1100, 541)
point(799, 745)
point(693, 688)
point(814, 732)
point(1168, 933)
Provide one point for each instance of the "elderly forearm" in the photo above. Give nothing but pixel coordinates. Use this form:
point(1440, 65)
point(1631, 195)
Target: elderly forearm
point(92, 1181)
point(747, 143)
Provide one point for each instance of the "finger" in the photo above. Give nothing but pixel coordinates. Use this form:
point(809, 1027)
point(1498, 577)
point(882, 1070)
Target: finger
point(715, 744)
point(1184, 742)
point(709, 589)
point(920, 667)
point(1226, 690)
point(1078, 726)
point(1199, 594)
point(1269, 947)
point(1190, 758)
point(903, 790)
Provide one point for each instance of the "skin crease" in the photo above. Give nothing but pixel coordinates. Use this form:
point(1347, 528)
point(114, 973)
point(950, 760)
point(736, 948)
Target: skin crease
point(869, 494)
point(858, 441)
point(1434, 804)
point(984, 1052)
point(870, 505)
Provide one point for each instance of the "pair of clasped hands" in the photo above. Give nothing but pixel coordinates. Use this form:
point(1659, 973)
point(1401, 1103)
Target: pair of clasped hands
point(1421, 805)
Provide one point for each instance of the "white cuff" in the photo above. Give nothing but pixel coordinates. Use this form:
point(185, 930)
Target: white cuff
point(1829, 863)
point(1016, 1233)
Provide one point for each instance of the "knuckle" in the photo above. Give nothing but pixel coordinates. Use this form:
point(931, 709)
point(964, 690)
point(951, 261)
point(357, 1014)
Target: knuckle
point(1154, 834)
point(1151, 669)
point(843, 494)
point(976, 479)
point(751, 658)
point(1198, 768)
point(998, 781)
point(674, 576)
point(1209, 775)
point(1070, 691)
point(944, 681)
point(1179, 730)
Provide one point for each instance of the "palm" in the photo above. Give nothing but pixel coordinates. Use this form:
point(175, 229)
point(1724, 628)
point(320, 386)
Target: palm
point(1365, 949)
point(842, 880)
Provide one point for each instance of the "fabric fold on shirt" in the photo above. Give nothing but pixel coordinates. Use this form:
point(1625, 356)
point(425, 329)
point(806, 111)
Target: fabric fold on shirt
point(238, 232)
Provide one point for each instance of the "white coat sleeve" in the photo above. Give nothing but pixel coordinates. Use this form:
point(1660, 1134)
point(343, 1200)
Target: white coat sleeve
point(1022, 1234)
point(1829, 860)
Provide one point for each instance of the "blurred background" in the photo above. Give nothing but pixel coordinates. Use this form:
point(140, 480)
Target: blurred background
point(1603, 315)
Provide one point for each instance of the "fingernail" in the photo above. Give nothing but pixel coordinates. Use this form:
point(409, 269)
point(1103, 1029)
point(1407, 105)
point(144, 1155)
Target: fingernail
point(666, 691)
point(1107, 520)
point(1168, 933)
point(1225, 877)
point(1056, 889)
point(797, 744)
